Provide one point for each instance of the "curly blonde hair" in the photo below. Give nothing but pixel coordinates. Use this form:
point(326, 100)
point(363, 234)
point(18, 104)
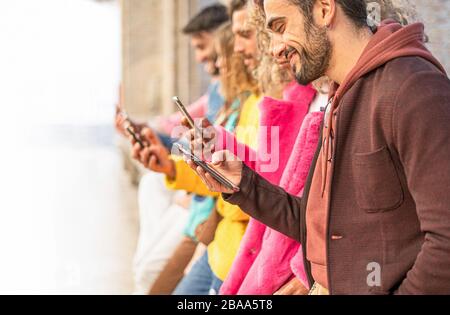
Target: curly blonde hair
point(237, 80)
point(271, 78)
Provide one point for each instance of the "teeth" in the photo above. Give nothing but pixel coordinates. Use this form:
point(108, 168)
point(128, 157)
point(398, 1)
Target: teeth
point(288, 53)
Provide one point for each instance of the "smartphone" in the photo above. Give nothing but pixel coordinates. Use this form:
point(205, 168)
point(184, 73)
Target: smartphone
point(209, 169)
point(128, 125)
point(135, 136)
point(186, 114)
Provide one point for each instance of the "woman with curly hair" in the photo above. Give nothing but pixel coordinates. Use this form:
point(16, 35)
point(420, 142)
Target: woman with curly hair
point(235, 84)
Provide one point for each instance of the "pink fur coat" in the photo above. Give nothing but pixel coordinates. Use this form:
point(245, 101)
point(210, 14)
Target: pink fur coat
point(268, 259)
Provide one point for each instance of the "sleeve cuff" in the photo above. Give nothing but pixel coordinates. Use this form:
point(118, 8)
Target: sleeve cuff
point(247, 183)
point(173, 184)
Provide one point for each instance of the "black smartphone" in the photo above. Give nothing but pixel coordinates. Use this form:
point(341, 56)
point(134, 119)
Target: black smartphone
point(209, 169)
point(186, 114)
point(136, 138)
point(128, 125)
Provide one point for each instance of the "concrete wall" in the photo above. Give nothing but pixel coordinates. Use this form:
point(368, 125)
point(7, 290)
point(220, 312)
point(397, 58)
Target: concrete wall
point(436, 16)
point(157, 60)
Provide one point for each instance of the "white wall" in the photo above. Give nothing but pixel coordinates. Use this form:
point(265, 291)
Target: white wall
point(59, 68)
point(60, 60)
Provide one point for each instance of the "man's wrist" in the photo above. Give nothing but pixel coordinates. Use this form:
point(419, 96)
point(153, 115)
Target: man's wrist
point(245, 185)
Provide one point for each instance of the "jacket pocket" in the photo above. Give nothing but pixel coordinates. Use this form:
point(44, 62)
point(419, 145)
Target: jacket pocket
point(377, 185)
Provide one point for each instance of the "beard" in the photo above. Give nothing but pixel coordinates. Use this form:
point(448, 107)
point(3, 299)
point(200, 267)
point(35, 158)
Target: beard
point(314, 56)
point(216, 72)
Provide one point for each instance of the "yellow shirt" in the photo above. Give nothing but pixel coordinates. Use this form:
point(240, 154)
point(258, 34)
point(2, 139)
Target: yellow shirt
point(229, 232)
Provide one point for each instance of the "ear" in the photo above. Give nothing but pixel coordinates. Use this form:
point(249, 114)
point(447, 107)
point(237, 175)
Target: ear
point(325, 12)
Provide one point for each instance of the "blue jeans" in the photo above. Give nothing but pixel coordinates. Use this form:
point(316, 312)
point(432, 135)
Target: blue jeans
point(200, 280)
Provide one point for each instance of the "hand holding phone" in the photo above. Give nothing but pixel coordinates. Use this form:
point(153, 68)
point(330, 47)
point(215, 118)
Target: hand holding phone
point(151, 153)
point(186, 114)
point(215, 174)
point(202, 138)
point(130, 129)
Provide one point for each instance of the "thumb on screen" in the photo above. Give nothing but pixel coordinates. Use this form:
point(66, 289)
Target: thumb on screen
point(221, 156)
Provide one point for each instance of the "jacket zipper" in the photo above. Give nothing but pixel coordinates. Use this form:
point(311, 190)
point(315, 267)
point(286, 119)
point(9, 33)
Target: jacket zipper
point(304, 204)
point(328, 230)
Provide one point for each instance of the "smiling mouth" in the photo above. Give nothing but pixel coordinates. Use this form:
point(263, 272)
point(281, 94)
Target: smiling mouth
point(289, 54)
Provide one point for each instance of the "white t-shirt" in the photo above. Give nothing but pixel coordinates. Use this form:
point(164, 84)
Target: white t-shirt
point(320, 101)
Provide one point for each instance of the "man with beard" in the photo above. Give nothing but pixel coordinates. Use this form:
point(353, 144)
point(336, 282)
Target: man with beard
point(244, 33)
point(375, 216)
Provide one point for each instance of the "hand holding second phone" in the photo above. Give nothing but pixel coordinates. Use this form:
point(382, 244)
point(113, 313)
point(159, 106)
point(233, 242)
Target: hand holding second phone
point(154, 155)
point(202, 138)
point(119, 121)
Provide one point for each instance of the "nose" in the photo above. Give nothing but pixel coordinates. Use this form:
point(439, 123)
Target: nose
point(238, 46)
point(200, 57)
point(218, 62)
point(278, 49)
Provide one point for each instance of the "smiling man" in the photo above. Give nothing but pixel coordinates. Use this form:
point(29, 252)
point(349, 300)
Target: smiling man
point(202, 38)
point(244, 33)
point(375, 214)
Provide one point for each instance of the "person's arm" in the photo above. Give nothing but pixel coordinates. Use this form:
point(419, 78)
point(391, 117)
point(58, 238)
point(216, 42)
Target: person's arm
point(186, 179)
point(267, 203)
point(421, 131)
